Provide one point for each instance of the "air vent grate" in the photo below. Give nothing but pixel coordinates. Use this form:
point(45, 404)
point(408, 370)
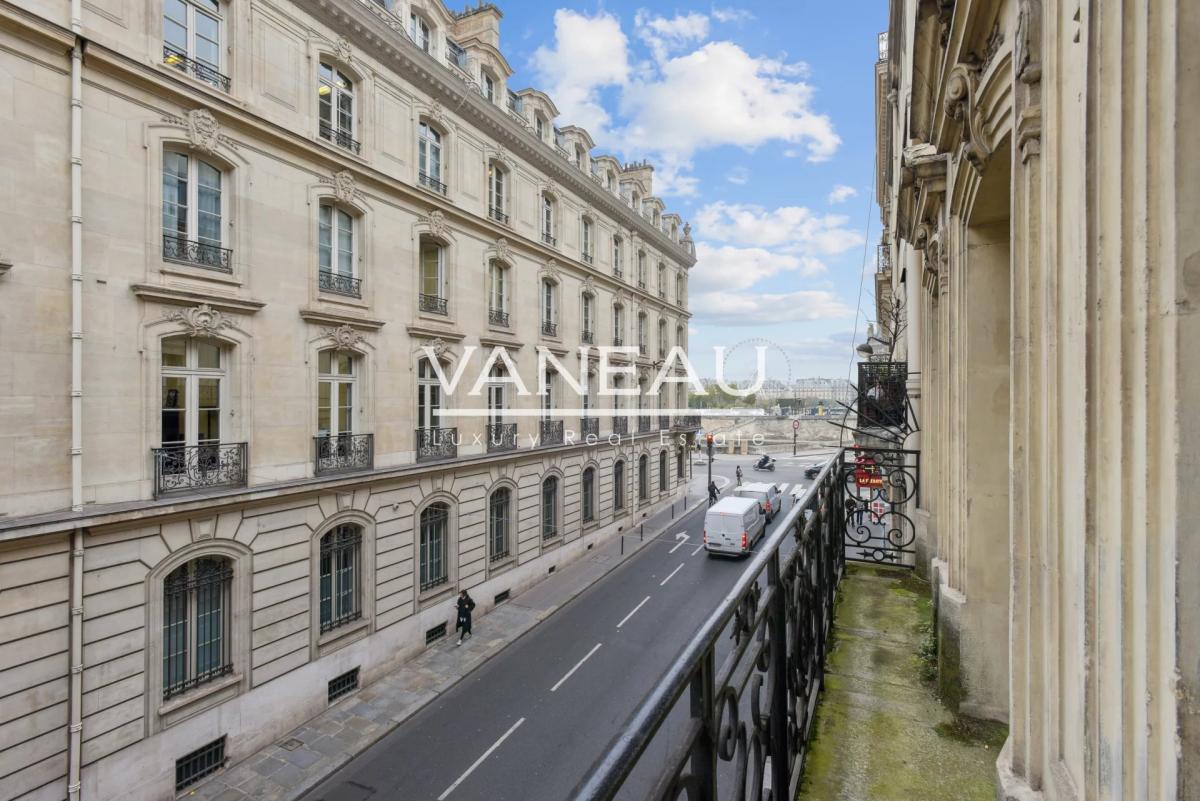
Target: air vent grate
point(343, 685)
point(436, 633)
point(500, 598)
point(202, 762)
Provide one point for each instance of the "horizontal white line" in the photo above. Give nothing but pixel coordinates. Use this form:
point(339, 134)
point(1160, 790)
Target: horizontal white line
point(679, 544)
point(578, 665)
point(479, 761)
point(639, 606)
point(557, 412)
point(673, 572)
point(783, 487)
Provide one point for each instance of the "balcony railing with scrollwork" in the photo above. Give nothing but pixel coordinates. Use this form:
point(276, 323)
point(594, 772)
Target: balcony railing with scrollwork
point(587, 337)
point(617, 273)
point(589, 425)
point(621, 425)
point(179, 468)
point(436, 443)
point(201, 254)
point(340, 284)
point(641, 284)
point(741, 696)
point(497, 215)
point(549, 239)
point(429, 182)
point(197, 69)
point(498, 317)
point(549, 329)
point(643, 424)
point(687, 421)
point(340, 137)
point(433, 304)
point(664, 422)
point(344, 452)
point(587, 257)
point(501, 437)
point(550, 432)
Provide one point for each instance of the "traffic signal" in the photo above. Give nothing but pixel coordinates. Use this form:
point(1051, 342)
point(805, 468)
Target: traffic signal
point(709, 439)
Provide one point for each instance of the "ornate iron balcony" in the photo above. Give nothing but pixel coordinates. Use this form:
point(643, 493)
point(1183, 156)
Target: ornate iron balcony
point(548, 239)
point(179, 468)
point(434, 304)
point(436, 443)
point(549, 329)
point(664, 422)
point(589, 425)
point(551, 432)
point(429, 182)
point(587, 337)
point(497, 317)
point(662, 293)
point(687, 421)
point(641, 283)
point(621, 425)
point(617, 340)
point(641, 349)
point(497, 215)
point(341, 284)
point(501, 437)
point(643, 423)
point(587, 258)
point(200, 254)
point(340, 137)
point(197, 69)
point(617, 273)
point(343, 452)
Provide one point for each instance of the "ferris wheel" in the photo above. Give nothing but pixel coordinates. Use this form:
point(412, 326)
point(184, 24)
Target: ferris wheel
point(778, 366)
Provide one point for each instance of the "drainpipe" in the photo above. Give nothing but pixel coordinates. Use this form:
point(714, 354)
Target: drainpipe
point(75, 725)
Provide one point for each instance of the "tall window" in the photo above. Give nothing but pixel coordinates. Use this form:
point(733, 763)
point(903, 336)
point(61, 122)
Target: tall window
point(679, 340)
point(662, 279)
point(497, 192)
point(662, 338)
point(549, 307)
point(550, 508)
point(192, 373)
point(662, 471)
point(340, 576)
point(335, 393)
point(433, 276)
point(498, 292)
point(496, 394)
point(679, 462)
point(585, 239)
point(335, 103)
point(618, 322)
point(547, 219)
point(641, 269)
point(539, 122)
point(191, 213)
point(192, 39)
point(550, 383)
point(587, 313)
point(643, 477)
point(429, 157)
point(335, 244)
point(418, 28)
point(619, 485)
point(588, 489)
point(435, 545)
point(499, 513)
point(429, 396)
point(196, 636)
point(489, 88)
point(642, 334)
point(616, 255)
point(679, 293)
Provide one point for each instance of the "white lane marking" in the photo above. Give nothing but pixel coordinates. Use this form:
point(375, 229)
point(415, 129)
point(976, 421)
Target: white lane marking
point(721, 482)
point(479, 761)
point(699, 548)
point(783, 487)
point(578, 665)
point(673, 572)
point(683, 538)
point(639, 606)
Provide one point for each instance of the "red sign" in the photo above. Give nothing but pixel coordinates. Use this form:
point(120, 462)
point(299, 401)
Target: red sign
point(795, 425)
point(868, 478)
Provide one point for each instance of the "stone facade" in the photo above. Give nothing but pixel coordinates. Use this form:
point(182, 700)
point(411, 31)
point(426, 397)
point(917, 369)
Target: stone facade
point(1038, 183)
point(309, 250)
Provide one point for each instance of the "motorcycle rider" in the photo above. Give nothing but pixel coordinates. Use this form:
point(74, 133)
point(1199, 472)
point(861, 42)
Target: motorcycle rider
point(763, 462)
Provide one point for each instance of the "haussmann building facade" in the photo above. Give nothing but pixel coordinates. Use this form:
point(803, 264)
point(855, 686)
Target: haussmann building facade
point(238, 239)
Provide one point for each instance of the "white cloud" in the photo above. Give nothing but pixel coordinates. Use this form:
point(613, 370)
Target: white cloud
point(794, 229)
point(738, 175)
point(732, 15)
point(841, 193)
point(589, 53)
point(756, 308)
point(836, 345)
point(734, 268)
point(663, 35)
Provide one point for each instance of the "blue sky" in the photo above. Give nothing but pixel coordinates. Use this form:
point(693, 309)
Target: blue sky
point(758, 119)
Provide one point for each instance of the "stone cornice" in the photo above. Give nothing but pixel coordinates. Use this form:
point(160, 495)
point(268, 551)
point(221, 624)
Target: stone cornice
point(190, 297)
point(323, 317)
point(433, 332)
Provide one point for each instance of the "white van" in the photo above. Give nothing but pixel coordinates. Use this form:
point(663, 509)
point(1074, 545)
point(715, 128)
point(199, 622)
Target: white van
point(768, 496)
point(733, 526)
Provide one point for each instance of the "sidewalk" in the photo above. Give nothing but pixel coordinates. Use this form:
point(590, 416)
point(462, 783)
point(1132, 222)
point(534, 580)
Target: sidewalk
point(881, 733)
point(305, 756)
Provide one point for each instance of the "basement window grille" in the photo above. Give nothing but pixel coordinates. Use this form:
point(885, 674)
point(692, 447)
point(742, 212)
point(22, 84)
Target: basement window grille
point(343, 685)
point(500, 598)
point(202, 762)
point(436, 633)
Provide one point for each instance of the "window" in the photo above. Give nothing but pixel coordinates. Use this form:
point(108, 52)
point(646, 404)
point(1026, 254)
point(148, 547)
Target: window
point(662, 280)
point(489, 88)
point(679, 463)
point(643, 473)
point(585, 239)
point(618, 324)
point(550, 508)
point(192, 201)
point(549, 308)
point(192, 39)
point(429, 396)
point(662, 338)
point(619, 485)
point(539, 122)
point(204, 761)
point(550, 384)
point(193, 370)
point(418, 28)
point(642, 336)
point(679, 293)
point(497, 192)
point(335, 393)
point(580, 157)
point(548, 219)
point(587, 313)
point(589, 494)
point(499, 513)
point(497, 292)
point(641, 269)
point(433, 277)
point(335, 104)
point(335, 248)
point(197, 638)
point(340, 576)
point(610, 179)
point(679, 340)
point(496, 395)
point(429, 158)
point(662, 471)
point(435, 546)
point(616, 255)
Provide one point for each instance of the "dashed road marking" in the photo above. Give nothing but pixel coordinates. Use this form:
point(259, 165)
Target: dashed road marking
point(683, 538)
point(672, 573)
point(578, 665)
point(479, 761)
point(625, 619)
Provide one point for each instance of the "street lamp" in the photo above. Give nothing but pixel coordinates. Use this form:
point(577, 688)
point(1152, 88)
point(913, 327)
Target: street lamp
point(708, 438)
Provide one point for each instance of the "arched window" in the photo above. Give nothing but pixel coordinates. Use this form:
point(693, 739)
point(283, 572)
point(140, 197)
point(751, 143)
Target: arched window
point(548, 214)
point(497, 192)
point(192, 39)
point(429, 158)
point(616, 255)
point(499, 517)
point(429, 396)
point(550, 508)
point(549, 307)
point(435, 546)
point(197, 637)
point(585, 239)
point(643, 477)
point(498, 292)
point(588, 489)
point(418, 29)
point(193, 204)
point(619, 485)
point(433, 277)
point(662, 471)
point(618, 321)
point(335, 107)
point(341, 576)
point(337, 259)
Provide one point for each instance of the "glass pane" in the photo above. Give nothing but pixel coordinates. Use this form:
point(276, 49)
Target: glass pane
point(174, 352)
point(209, 393)
point(326, 588)
point(208, 355)
point(208, 426)
point(175, 25)
point(345, 363)
point(325, 239)
point(208, 40)
point(430, 269)
point(346, 112)
point(323, 361)
point(345, 243)
point(209, 203)
point(175, 190)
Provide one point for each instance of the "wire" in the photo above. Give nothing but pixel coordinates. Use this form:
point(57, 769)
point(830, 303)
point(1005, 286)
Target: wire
point(862, 278)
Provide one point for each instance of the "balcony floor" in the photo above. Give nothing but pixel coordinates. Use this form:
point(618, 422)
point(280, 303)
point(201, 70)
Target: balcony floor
point(881, 732)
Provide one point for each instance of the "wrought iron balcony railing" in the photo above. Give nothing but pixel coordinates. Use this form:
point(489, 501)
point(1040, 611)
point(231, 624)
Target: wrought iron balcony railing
point(641, 283)
point(549, 329)
point(587, 337)
point(436, 443)
point(587, 257)
point(180, 468)
point(687, 421)
point(429, 182)
point(741, 697)
point(549, 239)
point(662, 293)
point(617, 340)
point(201, 254)
point(434, 304)
point(550, 432)
point(621, 425)
point(340, 137)
point(343, 452)
point(341, 284)
point(589, 425)
point(617, 273)
point(643, 424)
point(197, 69)
point(497, 215)
point(501, 437)
point(498, 317)
point(664, 422)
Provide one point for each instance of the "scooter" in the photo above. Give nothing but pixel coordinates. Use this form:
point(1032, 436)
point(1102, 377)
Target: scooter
point(769, 466)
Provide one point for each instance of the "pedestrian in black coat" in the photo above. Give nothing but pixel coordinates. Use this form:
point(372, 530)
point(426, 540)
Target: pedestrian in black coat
point(466, 604)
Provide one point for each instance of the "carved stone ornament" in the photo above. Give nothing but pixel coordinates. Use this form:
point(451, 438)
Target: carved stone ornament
point(200, 321)
point(1028, 44)
point(551, 270)
point(435, 111)
point(436, 222)
point(203, 130)
point(343, 337)
point(439, 347)
point(341, 49)
point(995, 39)
point(962, 104)
point(687, 231)
point(343, 186)
point(503, 252)
point(589, 286)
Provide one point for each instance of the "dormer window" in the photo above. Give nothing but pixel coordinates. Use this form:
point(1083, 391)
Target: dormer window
point(539, 123)
point(418, 28)
point(489, 88)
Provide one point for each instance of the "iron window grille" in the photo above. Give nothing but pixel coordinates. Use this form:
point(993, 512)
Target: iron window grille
point(617, 273)
point(617, 340)
point(587, 258)
point(497, 215)
point(204, 761)
point(197, 69)
point(549, 239)
point(551, 432)
point(340, 137)
point(587, 337)
point(550, 508)
point(429, 182)
point(341, 575)
point(433, 304)
point(343, 685)
point(435, 523)
point(436, 443)
point(201, 254)
point(498, 317)
point(501, 437)
point(342, 452)
point(641, 283)
point(620, 425)
point(499, 506)
point(197, 617)
point(590, 425)
point(436, 633)
point(549, 329)
point(340, 284)
point(178, 468)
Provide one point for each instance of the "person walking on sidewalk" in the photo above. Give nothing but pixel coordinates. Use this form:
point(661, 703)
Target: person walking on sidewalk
point(739, 475)
point(466, 604)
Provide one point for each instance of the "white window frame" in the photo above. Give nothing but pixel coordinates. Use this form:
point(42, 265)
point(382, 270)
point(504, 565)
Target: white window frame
point(440, 277)
point(336, 214)
point(336, 92)
point(336, 380)
point(549, 301)
point(192, 9)
point(430, 397)
point(547, 215)
point(420, 32)
point(497, 187)
point(430, 150)
point(192, 373)
point(498, 286)
point(192, 214)
point(585, 236)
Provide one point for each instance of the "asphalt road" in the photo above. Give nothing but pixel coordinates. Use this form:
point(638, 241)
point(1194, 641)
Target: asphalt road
point(529, 723)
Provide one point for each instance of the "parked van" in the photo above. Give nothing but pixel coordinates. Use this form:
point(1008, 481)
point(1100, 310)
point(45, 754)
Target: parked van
point(768, 496)
point(733, 526)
